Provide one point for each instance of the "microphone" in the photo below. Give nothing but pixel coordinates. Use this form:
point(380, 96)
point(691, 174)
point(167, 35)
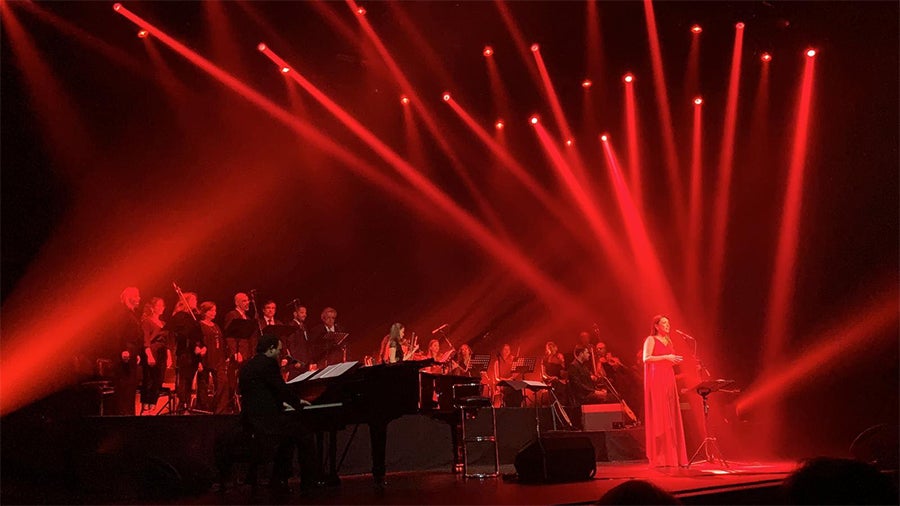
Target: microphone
point(442, 327)
point(686, 336)
point(293, 301)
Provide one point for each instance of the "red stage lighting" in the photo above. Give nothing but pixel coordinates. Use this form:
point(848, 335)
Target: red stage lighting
point(739, 26)
point(262, 47)
point(488, 51)
point(404, 100)
point(446, 96)
point(696, 29)
point(361, 11)
point(143, 34)
point(811, 52)
point(628, 78)
point(698, 101)
point(499, 124)
point(587, 83)
point(117, 6)
point(535, 48)
point(533, 119)
point(766, 57)
point(285, 70)
point(569, 142)
point(604, 137)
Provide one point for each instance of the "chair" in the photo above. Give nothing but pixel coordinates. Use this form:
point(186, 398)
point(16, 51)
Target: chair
point(469, 408)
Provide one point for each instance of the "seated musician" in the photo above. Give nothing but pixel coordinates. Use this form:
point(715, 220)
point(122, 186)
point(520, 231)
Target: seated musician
point(508, 397)
point(263, 396)
point(395, 350)
point(553, 369)
point(434, 352)
point(582, 387)
point(462, 366)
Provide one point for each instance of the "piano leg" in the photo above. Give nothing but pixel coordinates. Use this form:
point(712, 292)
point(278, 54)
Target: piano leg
point(378, 439)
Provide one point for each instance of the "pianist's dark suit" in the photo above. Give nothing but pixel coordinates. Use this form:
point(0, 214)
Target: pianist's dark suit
point(263, 393)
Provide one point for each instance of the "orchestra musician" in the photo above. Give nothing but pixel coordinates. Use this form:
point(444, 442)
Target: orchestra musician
point(462, 366)
point(213, 376)
point(125, 352)
point(157, 357)
point(268, 315)
point(239, 348)
point(503, 395)
point(296, 355)
point(395, 351)
point(189, 347)
point(434, 352)
point(582, 386)
point(553, 369)
point(323, 352)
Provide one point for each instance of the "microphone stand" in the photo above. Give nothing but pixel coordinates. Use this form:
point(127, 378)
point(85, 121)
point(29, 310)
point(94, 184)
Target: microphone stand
point(256, 311)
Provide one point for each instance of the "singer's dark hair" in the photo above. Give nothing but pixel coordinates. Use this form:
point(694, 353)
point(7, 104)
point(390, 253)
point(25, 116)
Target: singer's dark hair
point(580, 349)
point(656, 320)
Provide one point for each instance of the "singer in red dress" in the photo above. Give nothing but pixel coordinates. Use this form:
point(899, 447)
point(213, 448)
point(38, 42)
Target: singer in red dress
point(662, 411)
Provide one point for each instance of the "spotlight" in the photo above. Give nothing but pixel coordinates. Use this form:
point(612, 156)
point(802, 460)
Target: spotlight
point(499, 124)
point(628, 77)
point(569, 142)
point(117, 6)
point(143, 34)
point(262, 47)
point(811, 52)
point(404, 100)
point(446, 96)
point(698, 101)
point(533, 119)
point(696, 29)
point(488, 51)
point(285, 70)
point(361, 11)
point(766, 57)
point(604, 137)
point(739, 26)
point(535, 48)
point(586, 83)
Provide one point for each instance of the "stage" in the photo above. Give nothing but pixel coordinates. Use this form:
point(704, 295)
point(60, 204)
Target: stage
point(50, 457)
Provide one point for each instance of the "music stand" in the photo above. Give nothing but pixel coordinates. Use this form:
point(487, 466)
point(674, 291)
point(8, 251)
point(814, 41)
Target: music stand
point(534, 386)
point(709, 446)
point(523, 365)
point(479, 363)
point(333, 341)
point(241, 329)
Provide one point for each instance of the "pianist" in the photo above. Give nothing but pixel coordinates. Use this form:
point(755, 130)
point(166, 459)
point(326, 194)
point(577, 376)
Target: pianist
point(263, 398)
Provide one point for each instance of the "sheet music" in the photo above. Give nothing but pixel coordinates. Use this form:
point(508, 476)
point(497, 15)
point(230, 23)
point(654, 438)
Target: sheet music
point(303, 377)
point(335, 370)
point(535, 384)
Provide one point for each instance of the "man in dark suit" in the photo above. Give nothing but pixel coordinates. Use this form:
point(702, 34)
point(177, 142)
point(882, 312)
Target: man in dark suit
point(125, 357)
point(263, 396)
point(323, 349)
point(295, 359)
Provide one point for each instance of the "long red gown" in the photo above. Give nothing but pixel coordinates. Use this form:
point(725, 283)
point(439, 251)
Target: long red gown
point(663, 429)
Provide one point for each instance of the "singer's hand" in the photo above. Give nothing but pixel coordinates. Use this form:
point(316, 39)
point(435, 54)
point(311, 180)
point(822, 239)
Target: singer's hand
point(283, 362)
point(676, 359)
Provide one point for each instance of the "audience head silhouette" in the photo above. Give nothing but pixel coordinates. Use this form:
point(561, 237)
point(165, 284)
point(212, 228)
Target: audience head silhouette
point(637, 492)
point(825, 480)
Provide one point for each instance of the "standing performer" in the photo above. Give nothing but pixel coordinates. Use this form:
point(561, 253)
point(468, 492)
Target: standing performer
point(505, 396)
point(157, 356)
point(125, 360)
point(662, 409)
point(323, 351)
point(213, 392)
point(189, 348)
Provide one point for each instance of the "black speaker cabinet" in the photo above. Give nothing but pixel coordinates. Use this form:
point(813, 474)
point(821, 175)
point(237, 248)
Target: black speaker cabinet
point(556, 459)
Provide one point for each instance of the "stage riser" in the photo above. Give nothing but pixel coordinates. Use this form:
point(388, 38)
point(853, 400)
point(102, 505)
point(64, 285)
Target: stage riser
point(125, 453)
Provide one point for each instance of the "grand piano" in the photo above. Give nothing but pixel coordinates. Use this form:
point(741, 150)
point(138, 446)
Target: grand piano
point(349, 393)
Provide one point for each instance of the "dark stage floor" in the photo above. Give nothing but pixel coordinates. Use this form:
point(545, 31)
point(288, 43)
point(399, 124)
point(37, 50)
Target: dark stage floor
point(743, 483)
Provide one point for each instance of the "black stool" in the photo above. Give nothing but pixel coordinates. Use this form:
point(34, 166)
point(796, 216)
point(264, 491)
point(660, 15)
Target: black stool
point(468, 410)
